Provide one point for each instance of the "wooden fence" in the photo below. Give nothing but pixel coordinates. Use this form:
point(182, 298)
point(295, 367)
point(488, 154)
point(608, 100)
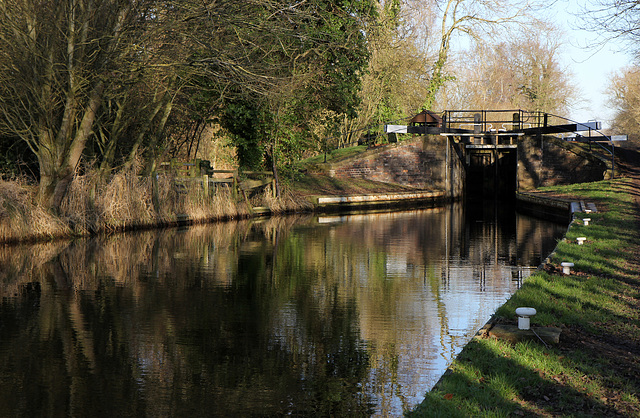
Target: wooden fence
point(200, 171)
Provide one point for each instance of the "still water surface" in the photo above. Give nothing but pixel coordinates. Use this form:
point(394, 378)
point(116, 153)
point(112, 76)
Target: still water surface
point(336, 315)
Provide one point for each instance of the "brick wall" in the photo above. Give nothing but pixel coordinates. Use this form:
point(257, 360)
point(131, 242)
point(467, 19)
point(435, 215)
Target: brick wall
point(555, 162)
point(418, 162)
point(421, 162)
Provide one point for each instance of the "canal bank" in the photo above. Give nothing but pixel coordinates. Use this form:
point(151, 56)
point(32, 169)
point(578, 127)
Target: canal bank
point(126, 204)
point(595, 368)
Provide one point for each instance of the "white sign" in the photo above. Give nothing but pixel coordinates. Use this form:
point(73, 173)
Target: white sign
point(589, 125)
point(395, 129)
point(619, 137)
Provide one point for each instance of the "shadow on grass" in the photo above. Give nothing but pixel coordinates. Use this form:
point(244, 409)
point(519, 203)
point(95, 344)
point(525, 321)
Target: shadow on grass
point(498, 383)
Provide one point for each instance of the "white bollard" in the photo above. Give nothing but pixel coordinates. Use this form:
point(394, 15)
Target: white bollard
point(523, 316)
point(566, 267)
point(586, 221)
point(581, 240)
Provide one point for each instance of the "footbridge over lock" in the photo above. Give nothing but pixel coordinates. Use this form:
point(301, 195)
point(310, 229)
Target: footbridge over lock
point(496, 152)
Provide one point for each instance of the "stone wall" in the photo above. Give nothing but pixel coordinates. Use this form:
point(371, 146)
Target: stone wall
point(551, 161)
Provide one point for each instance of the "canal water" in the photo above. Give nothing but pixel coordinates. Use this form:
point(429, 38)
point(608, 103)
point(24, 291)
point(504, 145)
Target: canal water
point(334, 315)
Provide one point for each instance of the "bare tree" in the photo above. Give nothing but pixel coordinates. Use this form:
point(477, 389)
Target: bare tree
point(614, 19)
point(523, 72)
point(477, 20)
point(72, 71)
point(56, 62)
point(624, 97)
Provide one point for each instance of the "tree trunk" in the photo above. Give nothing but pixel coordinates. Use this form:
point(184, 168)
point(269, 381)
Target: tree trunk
point(164, 104)
point(274, 168)
point(58, 158)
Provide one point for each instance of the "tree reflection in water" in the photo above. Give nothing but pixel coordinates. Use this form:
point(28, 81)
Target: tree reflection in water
point(349, 316)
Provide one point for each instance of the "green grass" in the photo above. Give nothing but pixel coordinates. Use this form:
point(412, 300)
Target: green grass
point(336, 155)
point(611, 233)
point(493, 379)
point(592, 371)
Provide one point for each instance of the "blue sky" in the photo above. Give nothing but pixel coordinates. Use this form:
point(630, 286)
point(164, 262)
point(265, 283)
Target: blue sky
point(593, 67)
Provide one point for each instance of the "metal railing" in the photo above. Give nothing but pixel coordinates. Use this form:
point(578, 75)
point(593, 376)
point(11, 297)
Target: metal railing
point(495, 120)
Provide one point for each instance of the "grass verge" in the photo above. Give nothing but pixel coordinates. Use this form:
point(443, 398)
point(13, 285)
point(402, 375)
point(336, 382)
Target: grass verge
point(331, 186)
point(125, 201)
point(595, 370)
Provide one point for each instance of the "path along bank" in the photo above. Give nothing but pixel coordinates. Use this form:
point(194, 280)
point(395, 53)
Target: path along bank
point(594, 370)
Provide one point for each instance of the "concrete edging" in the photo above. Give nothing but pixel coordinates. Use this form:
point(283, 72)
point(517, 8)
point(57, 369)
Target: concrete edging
point(543, 206)
point(360, 202)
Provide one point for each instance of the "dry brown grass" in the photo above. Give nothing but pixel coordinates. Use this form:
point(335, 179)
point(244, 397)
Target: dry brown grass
point(125, 201)
point(287, 202)
point(78, 208)
point(198, 207)
point(21, 219)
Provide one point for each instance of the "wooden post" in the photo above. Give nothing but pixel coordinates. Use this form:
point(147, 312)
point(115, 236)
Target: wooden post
point(205, 184)
point(154, 191)
point(234, 186)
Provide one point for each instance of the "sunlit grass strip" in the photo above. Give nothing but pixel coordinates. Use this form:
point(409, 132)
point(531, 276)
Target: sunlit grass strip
point(336, 154)
point(493, 378)
point(611, 233)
